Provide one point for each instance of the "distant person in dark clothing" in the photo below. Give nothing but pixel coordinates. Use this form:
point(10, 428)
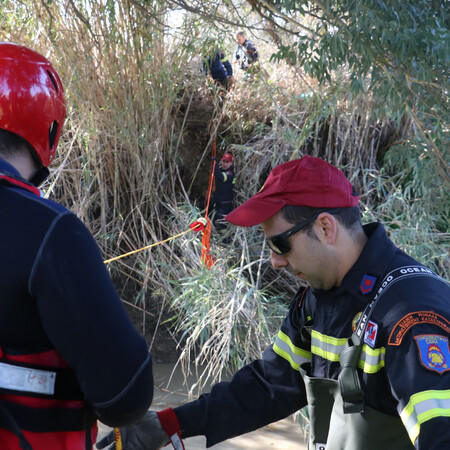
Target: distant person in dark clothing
point(216, 64)
point(246, 53)
point(223, 194)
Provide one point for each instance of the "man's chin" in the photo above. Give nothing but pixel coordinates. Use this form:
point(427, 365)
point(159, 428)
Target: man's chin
point(296, 274)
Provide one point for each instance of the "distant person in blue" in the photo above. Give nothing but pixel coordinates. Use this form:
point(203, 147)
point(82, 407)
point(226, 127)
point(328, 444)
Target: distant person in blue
point(246, 54)
point(216, 64)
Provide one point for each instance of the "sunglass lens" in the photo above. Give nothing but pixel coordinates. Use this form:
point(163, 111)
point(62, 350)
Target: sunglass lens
point(279, 246)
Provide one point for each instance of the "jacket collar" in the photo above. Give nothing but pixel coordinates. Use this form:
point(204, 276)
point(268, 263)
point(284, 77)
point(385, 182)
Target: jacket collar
point(8, 169)
point(11, 176)
point(366, 275)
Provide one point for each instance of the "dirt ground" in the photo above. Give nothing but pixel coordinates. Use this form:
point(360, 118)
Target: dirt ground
point(285, 434)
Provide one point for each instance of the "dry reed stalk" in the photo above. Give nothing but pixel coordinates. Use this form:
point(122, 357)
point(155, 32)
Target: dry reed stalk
point(128, 157)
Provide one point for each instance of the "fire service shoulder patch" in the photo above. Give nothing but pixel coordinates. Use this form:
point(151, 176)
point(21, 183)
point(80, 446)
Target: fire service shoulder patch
point(434, 352)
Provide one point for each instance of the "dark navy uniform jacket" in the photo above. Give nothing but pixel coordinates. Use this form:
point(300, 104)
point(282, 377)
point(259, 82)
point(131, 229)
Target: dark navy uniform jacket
point(405, 371)
point(57, 294)
point(225, 181)
point(219, 66)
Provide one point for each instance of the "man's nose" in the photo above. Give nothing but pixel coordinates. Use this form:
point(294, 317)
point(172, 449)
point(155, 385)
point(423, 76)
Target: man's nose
point(278, 261)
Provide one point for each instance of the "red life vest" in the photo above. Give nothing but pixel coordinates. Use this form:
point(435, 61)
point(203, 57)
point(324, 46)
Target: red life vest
point(41, 403)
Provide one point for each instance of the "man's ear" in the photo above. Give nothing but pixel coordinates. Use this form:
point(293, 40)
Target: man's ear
point(326, 228)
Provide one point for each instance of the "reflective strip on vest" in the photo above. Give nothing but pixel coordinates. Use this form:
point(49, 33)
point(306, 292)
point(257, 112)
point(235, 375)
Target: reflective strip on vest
point(422, 407)
point(224, 59)
point(225, 177)
point(284, 347)
point(27, 380)
point(328, 347)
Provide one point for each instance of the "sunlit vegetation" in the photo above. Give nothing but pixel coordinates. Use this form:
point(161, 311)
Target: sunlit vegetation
point(362, 84)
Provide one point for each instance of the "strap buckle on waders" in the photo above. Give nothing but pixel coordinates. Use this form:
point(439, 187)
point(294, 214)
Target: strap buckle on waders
point(349, 384)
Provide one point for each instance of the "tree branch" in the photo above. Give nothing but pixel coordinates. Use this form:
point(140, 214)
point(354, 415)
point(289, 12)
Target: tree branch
point(272, 8)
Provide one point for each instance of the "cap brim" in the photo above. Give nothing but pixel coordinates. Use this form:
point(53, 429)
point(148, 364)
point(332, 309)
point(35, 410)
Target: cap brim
point(253, 212)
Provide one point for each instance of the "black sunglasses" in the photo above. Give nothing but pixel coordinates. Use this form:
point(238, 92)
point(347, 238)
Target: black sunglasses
point(279, 243)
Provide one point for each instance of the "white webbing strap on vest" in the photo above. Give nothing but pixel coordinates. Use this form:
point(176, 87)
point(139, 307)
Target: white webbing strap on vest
point(27, 380)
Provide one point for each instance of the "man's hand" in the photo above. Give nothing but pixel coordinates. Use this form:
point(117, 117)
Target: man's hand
point(147, 434)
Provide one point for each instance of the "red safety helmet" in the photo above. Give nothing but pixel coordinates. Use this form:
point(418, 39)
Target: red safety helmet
point(32, 103)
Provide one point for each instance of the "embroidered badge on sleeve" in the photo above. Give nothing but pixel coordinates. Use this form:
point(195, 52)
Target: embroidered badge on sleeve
point(356, 320)
point(367, 284)
point(371, 334)
point(434, 352)
point(416, 318)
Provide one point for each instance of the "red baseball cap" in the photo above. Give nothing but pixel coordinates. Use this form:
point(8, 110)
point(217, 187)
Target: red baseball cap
point(308, 181)
point(227, 157)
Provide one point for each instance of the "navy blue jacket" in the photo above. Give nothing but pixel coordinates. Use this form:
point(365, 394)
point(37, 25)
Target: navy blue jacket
point(224, 184)
point(218, 66)
point(57, 294)
point(397, 378)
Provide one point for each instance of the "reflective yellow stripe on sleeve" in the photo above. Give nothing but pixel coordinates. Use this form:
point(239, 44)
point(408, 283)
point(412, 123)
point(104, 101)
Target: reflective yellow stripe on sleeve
point(328, 347)
point(284, 347)
point(371, 360)
point(422, 407)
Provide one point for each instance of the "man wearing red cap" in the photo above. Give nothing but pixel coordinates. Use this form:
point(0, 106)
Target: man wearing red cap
point(365, 345)
point(223, 194)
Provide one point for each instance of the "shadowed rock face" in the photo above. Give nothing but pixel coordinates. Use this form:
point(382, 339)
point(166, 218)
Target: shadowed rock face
point(194, 140)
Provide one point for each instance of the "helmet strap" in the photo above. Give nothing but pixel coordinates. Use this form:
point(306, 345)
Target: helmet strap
point(40, 176)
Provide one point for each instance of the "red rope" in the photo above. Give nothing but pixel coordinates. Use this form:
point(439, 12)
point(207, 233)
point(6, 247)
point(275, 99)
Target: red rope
point(211, 176)
point(207, 259)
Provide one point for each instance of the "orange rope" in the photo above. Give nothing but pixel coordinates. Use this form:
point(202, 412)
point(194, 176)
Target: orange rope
point(211, 176)
point(207, 259)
